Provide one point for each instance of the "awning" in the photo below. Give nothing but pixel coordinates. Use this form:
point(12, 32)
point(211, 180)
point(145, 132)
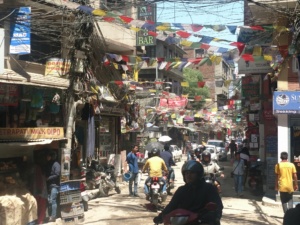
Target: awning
point(34, 79)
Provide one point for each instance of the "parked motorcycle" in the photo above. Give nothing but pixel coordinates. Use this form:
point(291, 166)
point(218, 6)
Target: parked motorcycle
point(255, 179)
point(185, 217)
point(155, 191)
point(84, 195)
point(108, 181)
point(92, 176)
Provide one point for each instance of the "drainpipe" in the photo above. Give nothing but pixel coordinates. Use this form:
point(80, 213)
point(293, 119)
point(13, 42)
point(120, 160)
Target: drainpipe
point(2, 45)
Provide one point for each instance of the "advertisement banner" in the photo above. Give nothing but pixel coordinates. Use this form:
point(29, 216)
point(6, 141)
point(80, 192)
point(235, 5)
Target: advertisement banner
point(20, 32)
point(146, 13)
point(286, 102)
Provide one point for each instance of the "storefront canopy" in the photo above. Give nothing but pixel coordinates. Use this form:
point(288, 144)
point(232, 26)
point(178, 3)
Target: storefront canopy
point(34, 79)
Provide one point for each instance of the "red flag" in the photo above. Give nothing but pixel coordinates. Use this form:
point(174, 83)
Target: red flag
point(183, 34)
point(205, 46)
point(239, 45)
point(125, 58)
point(126, 19)
point(108, 19)
point(119, 82)
point(257, 28)
point(152, 33)
point(196, 27)
point(248, 57)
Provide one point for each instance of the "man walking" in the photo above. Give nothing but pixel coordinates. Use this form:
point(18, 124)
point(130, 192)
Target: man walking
point(53, 182)
point(132, 161)
point(286, 181)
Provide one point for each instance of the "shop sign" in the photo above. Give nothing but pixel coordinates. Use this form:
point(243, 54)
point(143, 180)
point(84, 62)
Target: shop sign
point(57, 67)
point(9, 94)
point(32, 133)
point(286, 102)
point(146, 13)
point(107, 109)
point(258, 66)
point(251, 86)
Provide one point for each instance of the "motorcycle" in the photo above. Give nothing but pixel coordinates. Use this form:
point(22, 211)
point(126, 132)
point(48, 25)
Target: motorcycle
point(108, 181)
point(155, 191)
point(255, 179)
point(84, 195)
point(185, 217)
point(211, 178)
point(92, 177)
point(169, 185)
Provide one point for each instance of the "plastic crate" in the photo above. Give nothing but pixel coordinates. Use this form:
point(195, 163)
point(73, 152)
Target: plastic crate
point(73, 210)
point(70, 197)
point(70, 185)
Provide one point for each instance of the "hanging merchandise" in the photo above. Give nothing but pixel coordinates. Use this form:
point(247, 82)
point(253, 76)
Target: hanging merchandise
point(37, 100)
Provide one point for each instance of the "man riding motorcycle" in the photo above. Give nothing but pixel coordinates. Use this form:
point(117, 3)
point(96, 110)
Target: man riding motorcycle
point(167, 156)
point(156, 165)
point(211, 167)
point(194, 195)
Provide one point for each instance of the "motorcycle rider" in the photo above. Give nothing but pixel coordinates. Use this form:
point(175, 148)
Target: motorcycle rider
point(194, 195)
point(167, 156)
point(156, 165)
point(211, 167)
point(198, 152)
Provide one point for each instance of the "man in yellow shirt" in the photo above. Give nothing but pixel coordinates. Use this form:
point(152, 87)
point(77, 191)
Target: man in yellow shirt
point(156, 165)
point(286, 181)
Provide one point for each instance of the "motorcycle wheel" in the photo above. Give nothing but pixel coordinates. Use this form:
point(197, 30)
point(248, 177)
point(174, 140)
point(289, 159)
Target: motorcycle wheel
point(118, 190)
point(154, 200)
point(103, 190)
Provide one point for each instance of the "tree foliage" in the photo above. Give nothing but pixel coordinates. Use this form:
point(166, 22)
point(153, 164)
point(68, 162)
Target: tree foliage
point(192, 77)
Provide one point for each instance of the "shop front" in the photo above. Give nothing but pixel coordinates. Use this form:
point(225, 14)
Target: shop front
point(286, 106)
point(31, 119)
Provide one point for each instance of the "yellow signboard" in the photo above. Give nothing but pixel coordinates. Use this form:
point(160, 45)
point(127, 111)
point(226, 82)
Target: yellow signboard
point(32, 133)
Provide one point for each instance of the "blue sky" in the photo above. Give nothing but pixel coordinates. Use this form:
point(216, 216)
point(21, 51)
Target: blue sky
point(214, 13)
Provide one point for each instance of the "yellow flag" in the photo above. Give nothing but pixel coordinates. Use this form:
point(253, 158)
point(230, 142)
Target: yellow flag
point(186, 43)
point(116, 66)
point(98, 12)
point(268, 58)
point(257, 51)
point(136, 29)
point(177, 64)
point(214, 109)
point(227, 83)
point(136, 75)
point(185, 84)
point(218, 59)
point(152, 90)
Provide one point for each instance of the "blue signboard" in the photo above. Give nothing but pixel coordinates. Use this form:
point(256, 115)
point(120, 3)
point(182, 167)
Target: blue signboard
point(286, 102)
point(20, 32)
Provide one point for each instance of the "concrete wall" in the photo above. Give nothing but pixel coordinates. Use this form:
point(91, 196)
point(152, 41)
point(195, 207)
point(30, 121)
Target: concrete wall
point(283, 134)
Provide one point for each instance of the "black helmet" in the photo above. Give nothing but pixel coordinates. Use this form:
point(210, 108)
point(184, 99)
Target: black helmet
point(193, 166)
point(206, 153)
point(155, 152)
point(198, 150)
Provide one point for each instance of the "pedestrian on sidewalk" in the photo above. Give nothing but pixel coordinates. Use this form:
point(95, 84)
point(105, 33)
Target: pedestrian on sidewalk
point(286, 181)
point(238, 172)
point(132, 161)
point(233, 148)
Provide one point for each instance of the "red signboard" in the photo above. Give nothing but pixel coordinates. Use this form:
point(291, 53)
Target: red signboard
point(9, 94)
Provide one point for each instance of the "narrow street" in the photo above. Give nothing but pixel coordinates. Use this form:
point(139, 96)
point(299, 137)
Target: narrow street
point(122, 209)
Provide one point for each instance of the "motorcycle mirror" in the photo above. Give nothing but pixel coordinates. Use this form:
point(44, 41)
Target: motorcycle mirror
point(211, 206)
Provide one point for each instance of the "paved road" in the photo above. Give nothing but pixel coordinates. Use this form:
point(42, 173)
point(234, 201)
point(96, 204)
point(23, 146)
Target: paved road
point(122, 209)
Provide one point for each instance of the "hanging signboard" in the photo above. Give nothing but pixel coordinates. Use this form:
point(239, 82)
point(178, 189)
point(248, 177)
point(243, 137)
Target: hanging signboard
point(251, 86)
point(258, 66)
point(146, 13)
point(20, 32)
point(286, 102)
